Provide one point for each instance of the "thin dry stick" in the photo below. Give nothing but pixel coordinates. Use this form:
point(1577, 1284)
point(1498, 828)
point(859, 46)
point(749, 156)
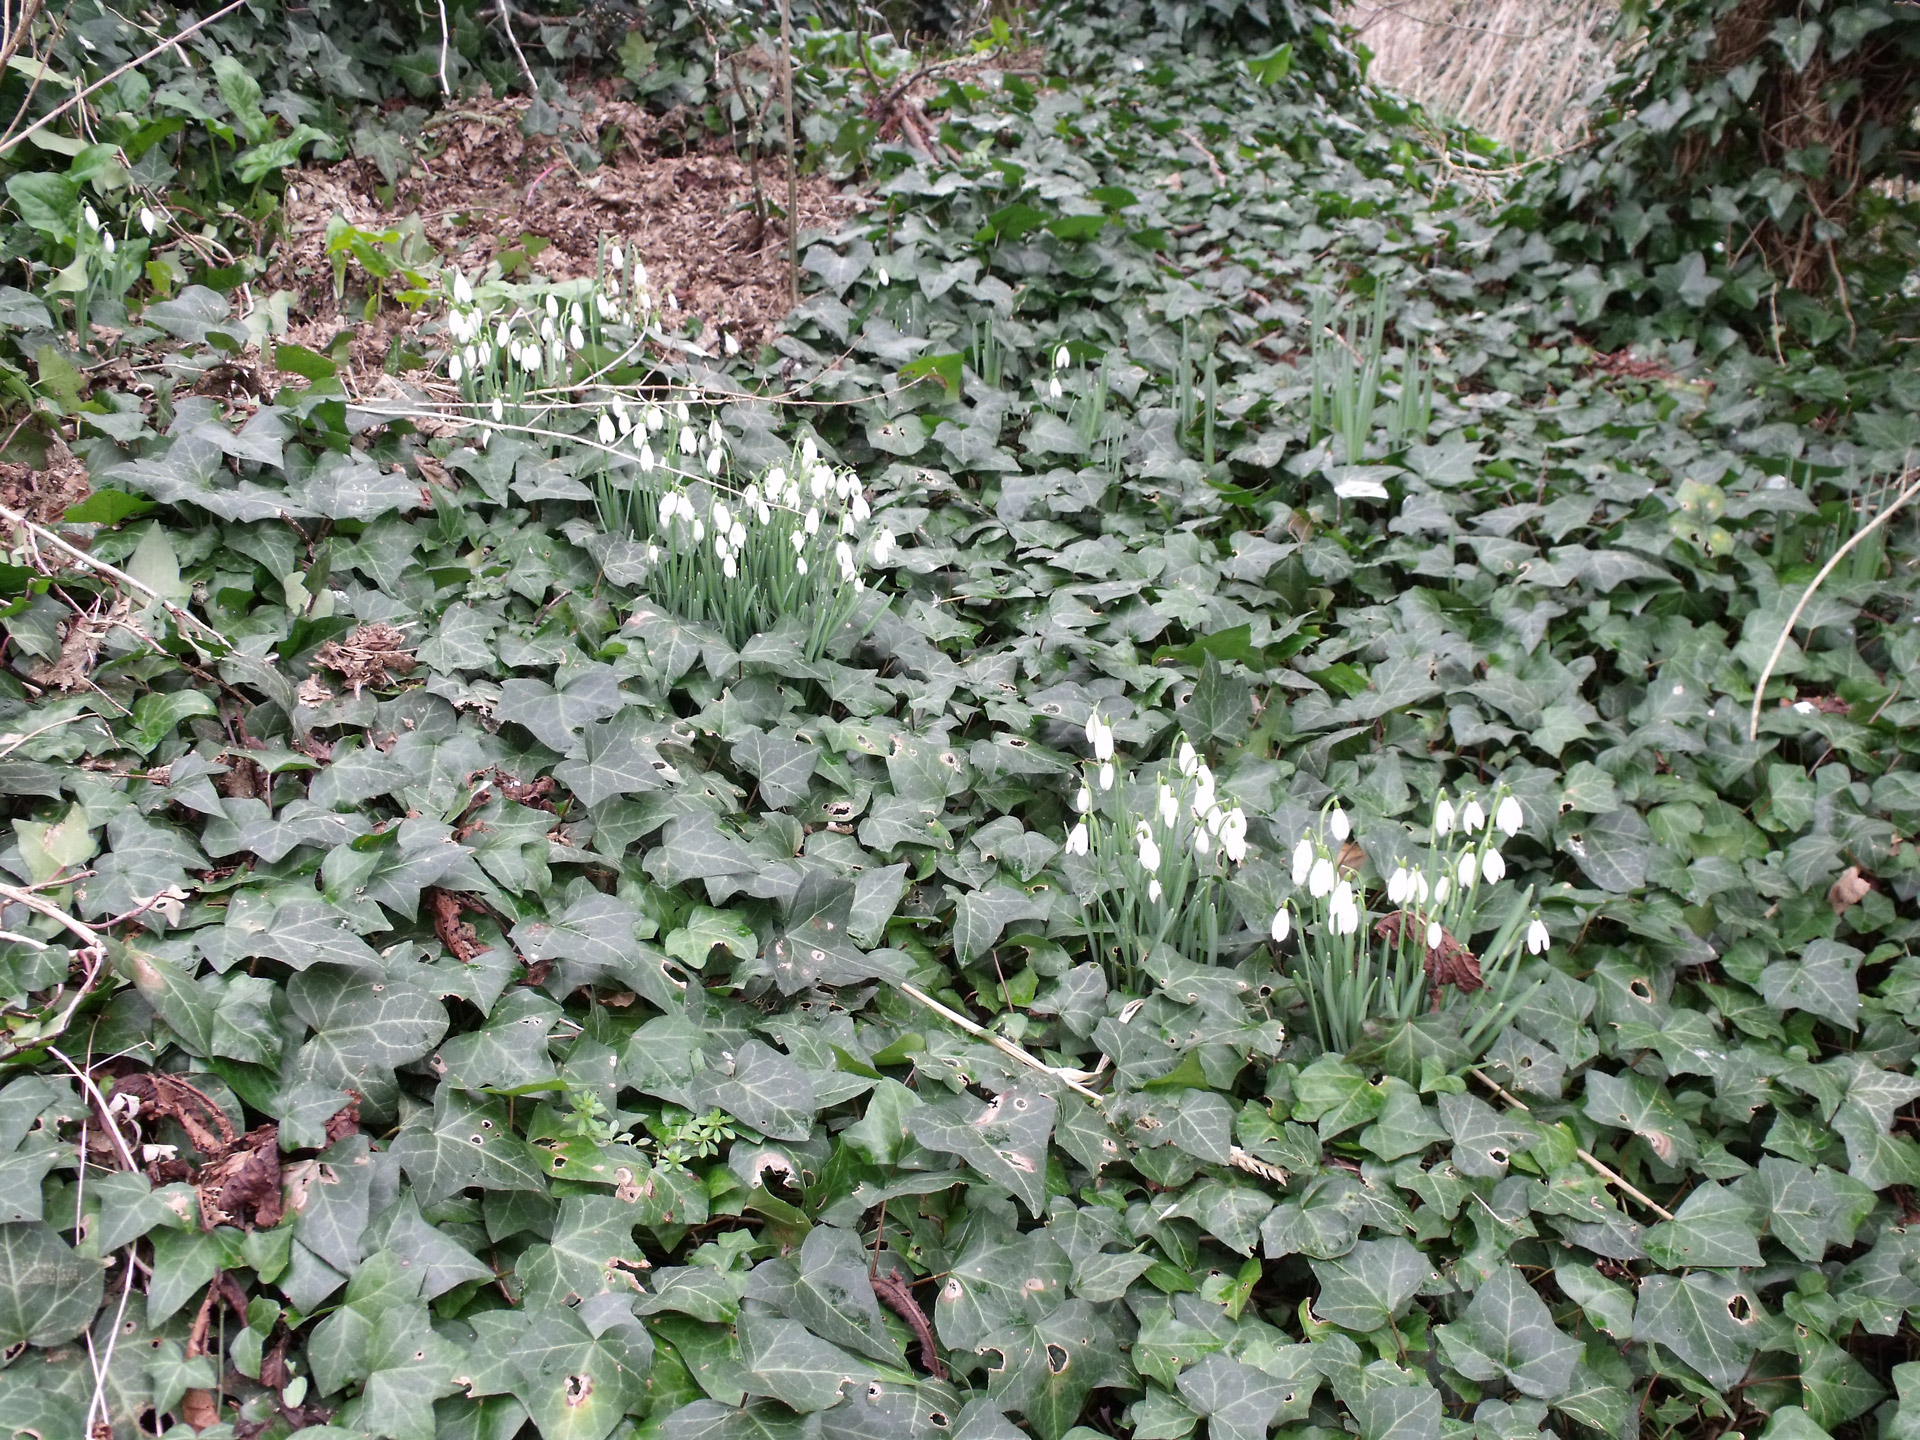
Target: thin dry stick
point(52, 115)
point(18, 32)
point(445, 41)
point(793, 157)
point(1780, 645)
point(506, 23)
point(113, 573)
point(1611, 1176)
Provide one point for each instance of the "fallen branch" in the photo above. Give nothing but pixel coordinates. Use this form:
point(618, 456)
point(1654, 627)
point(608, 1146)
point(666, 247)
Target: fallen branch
point(1611, 1176)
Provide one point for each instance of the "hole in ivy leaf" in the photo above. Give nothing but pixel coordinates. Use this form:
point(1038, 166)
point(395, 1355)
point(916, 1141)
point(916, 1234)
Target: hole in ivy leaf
point(874, 1392)
point(558, 1162)
point(1740, 1310)
point(579, 1387)
point(419, 1355)
point(938, 1418)
point(999, 1354)
point(1020, 1102)
point(478, 1139)
point(1058, 1359)
point(1641, 989)
point(1498, 1155)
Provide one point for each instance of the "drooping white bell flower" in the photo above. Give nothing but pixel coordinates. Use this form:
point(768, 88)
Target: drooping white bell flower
point(1473, 819)
point(1077, 839)
point(1434, 935)
point(1465, 869)
point(608, 432)
point(1399, 885)
point(1537, 937)
point(1153, 890)
point(1105, 776)
point(455, 369)
point(1188, 761)
point(1202, 842)
point(1149, 848)
point(1100, 736)
point(1062, 358)
point(1169, 806)
point(1509, 817)
point(1339, 826)
point(1492, 867)
point(1282, 924)
point(1321, 880)
point(1442, 817)
point(1344, 910)
point(1083, 802)
point(1442, 888)
point(1233, 836)
point(1203, 800)
point(1302, 860)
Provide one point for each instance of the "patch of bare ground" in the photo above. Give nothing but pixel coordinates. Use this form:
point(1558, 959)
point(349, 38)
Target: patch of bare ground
point(483, 185)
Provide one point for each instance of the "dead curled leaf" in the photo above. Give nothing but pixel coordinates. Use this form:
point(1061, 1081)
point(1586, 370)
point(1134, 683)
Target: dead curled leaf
point(370, 655)
point(1849, 890)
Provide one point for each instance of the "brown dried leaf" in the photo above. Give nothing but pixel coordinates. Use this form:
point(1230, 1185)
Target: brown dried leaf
point(370, 655)
point(1849, 890)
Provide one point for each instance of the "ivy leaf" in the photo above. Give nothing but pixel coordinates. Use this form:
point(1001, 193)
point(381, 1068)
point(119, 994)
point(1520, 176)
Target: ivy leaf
point(47, 1293)
point(464, 1141)
point(1821, 982)
point(795, 1366)
point(768, 1092)
point(1006, 1140)
point(1508, 1332)
point(1239, 1402)
point(1707, 1320)
point(1713, 1228)
point(782, 764)
point(1365, 1290)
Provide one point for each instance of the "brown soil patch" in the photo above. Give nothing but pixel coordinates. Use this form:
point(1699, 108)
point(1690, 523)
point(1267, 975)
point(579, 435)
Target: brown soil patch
point(47, 493)
point(691, 216)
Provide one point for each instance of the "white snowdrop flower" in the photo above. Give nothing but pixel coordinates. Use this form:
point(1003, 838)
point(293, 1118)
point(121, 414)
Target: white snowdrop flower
point(1442, 888)
point(107, 243)
point(813, 521)
point(776, 480)
point(1537, 937)
point(1321, 879)
point(656, 419)
point(801, 565)
point(1100, 736)
point(1149, 848)
point(1344, 910)
point(462, 290)
point(1473, 819)
point(602, 305)
point(608, 432)
point(799, 541)
point(728, 568)
point(860, 510)
point(547, 332)
point(883, 547)
point(673, 303)
point(1465, 869)
point(689, 440)
point(556, 355)
point(1442, 817)
point(1188, 761)
point(1434, 935)
point(1105, 776)
point(1302, 860)
point(722, 516)
point(1203, 791)
point(502, 336)
point(624, 421)
point(809, 452)
point(1282, 924)
point(820, 482)
point(882, 276)
point(1083, 800)
point(1062, 358)
point(499, 408)
point(1399, 885)
point(1169, 806)
point(92, 217)
point(472, 357)
point(1053, 389)
point(530, 357)
point(575, 315)
point(737, 536)
point(1509, 817)
point(699, 530)
point(149, 221)
point(681, 413)
point(668, 508)
point(1493, 867)
point(1077, 839)
point(1339, 825)
point(616, 257)
point(843, 553)
point(1419, 889)
point(1153, 890)
point(1233, 835)
point(1202, 842)
point(576, 337)
point(646, 458)
point(729, 344)
point(715, 435)
point(553, 307)
point(454, 369)
point(842, 485)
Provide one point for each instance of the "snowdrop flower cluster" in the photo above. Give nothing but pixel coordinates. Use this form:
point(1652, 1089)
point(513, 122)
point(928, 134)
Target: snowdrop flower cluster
point(1362, 966)
point(1158, 849)
point(503, 344)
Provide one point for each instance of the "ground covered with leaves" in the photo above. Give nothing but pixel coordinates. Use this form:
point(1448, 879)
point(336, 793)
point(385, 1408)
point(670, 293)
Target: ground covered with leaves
point(458, 985)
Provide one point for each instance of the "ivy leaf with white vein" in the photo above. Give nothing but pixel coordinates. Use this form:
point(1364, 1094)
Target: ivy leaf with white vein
point(1707, 1320)
point(556, 715)
point(1508, 1331)
point(765, 1090)
point(794, 1365)
point(1005, 1140)
point(1240, 1402)
point(781, 763)
point(1364, 1289)
point(615, 757)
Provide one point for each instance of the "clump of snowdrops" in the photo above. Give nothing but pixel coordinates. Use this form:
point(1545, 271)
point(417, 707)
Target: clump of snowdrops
point(1150, 856)
point(1369, 969)
point(795, 543)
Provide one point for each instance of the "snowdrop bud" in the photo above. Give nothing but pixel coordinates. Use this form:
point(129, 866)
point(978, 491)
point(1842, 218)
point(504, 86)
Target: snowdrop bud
point(149, 221)
point(882, 276)
point(1473, 819)
point(502, 336)
point(92, 217)
point(699, 530)
point(646, 458)
point(1149, 850)
point(576, 338)
point(1509, 818)
point(1493, 867)
point(1105, 777)
point(813, 521)
point(1053, 389)
point(462, 290)
point(862, 512)
point(553, 307)
point(454, 368)
point(681, 413)
point(1169, 806)
point(1321, 880)
point(1537, 937)
point(1399, 885)
point(1442, 888)
point(499, 408)
point(1202, 843)
point(1465, 870)
point(1442, 817)
point(1077, 839)
point(616, 257)
point(1233, 835)
point(801, 565)
point(1083, 801)
point(106, 242)
point(1339, 825)
point(1302, 860)
point(722, 516)
point(1062, 358)
point(608, 434)
point(728, 568)
point(1153, 890)
point(1282, 924)
point(1434, 935)
point(1187, 760)
point(809, 452)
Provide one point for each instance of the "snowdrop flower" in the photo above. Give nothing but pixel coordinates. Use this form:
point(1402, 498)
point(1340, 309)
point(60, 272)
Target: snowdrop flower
point(809, 452)
point(646, 458)
point(1466, 869)
point(1153, 890)
point(883, 547)
point(92, 217)
point(1537, 937)
point(862, 512)
point(884, 278)
point(1434, 935)
point(150, 223)
point(722, 516)
point(1105, 777)
point(1169, 806)
point(728, 568)
point(106, 242)
point(1062, 358)
point(553, 307)
point(1442, 888)
point(1100, 736)
point(576, 338)
point(502, 335)
point(1083, 802)
point(1202, 842)
point(1493, 867)
point(1399, 885)
point(1508, 817)
point(1302, 860)
point(1282, 924)
point(813, 521)
point(801, 564)
point(1442, 817)
point(1203, 791)
point(499, 408)
point(454, 369)
point(608, 433)
point(1233, 835)
point(1188, 761)
point(1418, 888)
point(1341, 827)
point(1321, 880)
point(1473, 819)
point(699, 530)
point(820, 482)
point(669, 507)
point(1149, 850)
point(462, 290)
point(617, 258)
point(737, 537)
point(729, 344)
point(1077, 839)
point(799, 541)
point(1053, 389)
point(1344, 910)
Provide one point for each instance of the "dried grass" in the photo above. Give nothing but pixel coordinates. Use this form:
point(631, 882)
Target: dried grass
point(1521, 71)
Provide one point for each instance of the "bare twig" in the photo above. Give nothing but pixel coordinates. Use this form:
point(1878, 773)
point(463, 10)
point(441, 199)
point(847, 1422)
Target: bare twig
point(1074, 1080)
point(506, 23)
point(1611, 1176)
point(446, 41)
point(1912, 477)
point(793, 155)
